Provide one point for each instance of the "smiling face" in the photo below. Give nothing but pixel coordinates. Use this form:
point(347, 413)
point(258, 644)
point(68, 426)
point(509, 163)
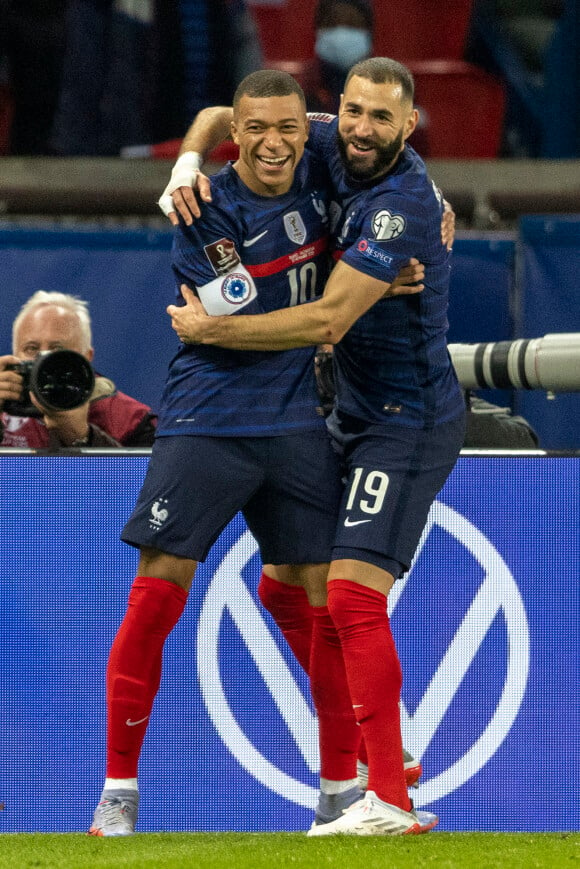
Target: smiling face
point(374, 121)
point(271, 133)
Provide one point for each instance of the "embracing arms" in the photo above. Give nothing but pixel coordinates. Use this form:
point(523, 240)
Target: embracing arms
point(347, 295)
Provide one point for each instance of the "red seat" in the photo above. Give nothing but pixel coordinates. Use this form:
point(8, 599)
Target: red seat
point(286, 31)
point(421, 29)
point(224, 152)
point(462, 110)
point(410, 30)
point(169, 150)
point(298, 69)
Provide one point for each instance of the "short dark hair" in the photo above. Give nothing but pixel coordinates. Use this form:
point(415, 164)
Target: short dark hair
point(268, 83)
point(325, 9)
point(380, 70)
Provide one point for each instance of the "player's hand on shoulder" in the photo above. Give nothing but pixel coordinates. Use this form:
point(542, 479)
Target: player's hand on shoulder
point(409, 280)
point(448, 225)
point(180, 194)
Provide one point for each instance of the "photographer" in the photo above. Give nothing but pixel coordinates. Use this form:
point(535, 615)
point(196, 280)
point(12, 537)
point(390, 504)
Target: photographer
point(48, 322)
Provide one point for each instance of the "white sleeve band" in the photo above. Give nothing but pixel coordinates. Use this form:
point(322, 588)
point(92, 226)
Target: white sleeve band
point(190, 161)
point(228, 293)
point(184, 174)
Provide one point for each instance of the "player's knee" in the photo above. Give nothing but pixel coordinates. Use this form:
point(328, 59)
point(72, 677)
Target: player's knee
point(162, 565)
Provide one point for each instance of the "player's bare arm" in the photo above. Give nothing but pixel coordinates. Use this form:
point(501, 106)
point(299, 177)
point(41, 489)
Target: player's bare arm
point(210, 127)
point(347, 296)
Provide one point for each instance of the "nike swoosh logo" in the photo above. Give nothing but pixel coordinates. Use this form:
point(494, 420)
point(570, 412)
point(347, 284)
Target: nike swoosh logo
point(248, 242)
point(130, 723)
point(348, 523)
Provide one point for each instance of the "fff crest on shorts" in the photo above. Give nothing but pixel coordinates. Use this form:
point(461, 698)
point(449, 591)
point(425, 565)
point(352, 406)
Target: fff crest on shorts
point(236, 288)
point(159, 514)
point(387, 226)
point(294, 226)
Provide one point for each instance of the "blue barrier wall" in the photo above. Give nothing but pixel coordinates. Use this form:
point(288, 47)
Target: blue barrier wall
point(486, 625)
point(548, 300)
point(125, 276)
point(480, 297)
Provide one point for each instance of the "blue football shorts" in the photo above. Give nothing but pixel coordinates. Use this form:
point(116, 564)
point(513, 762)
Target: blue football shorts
point(392, 474)
point(287, 487)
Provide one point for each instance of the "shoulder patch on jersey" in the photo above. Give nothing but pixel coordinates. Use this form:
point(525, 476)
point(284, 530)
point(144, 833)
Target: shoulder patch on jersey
point(294, 226)
point(387, 226)
point(374, 252)
point(222, 255)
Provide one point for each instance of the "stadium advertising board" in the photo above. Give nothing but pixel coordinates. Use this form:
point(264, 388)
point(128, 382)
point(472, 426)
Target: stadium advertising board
point(486, 623)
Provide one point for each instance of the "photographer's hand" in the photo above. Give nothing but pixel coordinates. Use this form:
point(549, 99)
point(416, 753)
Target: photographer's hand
point(70, 427)
point(10, 381)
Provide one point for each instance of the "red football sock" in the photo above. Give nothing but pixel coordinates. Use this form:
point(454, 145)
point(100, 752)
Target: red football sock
point(375, 679)
point(134, 669)
point(362, 753)
point(289, 607)
point(339, 733)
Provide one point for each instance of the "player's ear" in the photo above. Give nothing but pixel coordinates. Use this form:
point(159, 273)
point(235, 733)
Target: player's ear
point(234, 133)
point(410, 123)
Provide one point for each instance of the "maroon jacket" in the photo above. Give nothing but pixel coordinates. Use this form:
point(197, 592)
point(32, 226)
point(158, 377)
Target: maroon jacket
point(115, 420)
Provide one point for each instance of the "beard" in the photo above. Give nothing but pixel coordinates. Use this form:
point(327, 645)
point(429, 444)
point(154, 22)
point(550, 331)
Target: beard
point(359, 169)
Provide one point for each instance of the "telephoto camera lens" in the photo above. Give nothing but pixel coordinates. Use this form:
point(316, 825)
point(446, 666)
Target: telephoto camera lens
point(62, 380)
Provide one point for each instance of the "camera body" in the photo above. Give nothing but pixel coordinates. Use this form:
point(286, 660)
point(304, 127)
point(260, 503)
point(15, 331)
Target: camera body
point(59, 380)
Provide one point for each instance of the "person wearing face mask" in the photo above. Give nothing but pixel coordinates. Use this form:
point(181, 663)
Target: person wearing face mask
point(344, 35)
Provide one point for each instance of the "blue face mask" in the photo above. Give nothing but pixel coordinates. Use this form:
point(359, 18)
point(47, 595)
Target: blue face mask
point(343, 46)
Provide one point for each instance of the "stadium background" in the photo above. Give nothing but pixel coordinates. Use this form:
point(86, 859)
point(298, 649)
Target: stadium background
point(90, 227)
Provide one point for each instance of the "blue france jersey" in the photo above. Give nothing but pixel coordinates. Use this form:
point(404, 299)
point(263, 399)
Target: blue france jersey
point(249, 254)
point(393, 364)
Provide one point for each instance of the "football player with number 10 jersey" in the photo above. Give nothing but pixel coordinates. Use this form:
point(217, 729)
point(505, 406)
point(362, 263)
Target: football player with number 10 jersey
point(238, 431)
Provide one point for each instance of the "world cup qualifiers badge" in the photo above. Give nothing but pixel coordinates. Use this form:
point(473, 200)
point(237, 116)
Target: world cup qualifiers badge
point(387, 226)
point(222, 255)
point(236, 288)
